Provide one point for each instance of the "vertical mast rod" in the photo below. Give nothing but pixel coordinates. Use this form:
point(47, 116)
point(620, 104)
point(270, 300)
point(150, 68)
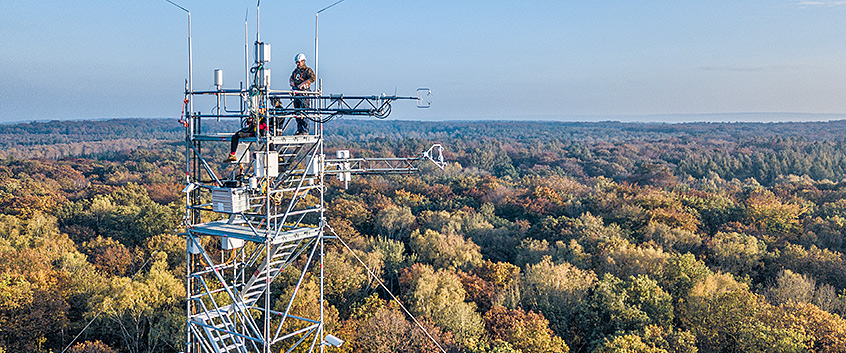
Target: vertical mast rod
point(316, 50)
point(246, 54)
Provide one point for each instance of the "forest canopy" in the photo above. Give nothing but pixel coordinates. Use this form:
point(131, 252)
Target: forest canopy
point(536, 237)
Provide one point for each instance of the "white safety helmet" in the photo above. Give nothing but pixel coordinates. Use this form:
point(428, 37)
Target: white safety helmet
point(299, 57)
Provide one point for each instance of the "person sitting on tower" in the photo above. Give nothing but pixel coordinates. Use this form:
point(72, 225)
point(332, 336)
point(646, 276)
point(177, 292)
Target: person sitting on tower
point(249, 130)
point(301, 80)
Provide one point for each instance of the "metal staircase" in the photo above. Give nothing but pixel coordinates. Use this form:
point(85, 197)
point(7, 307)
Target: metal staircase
point(220, 331)
point(280, 257)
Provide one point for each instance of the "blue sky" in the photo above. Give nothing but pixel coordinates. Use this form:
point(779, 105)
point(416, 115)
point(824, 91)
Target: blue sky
point(569, 60)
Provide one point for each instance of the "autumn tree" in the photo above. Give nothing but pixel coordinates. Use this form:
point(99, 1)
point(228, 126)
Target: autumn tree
point(825, 332)
point(34, 287)
point(128, 215)
point(347, 279)
point(524, 331)
point(108, 255)
point(791, 287)
point(736, 253)
point(555, 290)
point(388, 331)
point(627, 343)
point(142, 314)
point(393, 258)
point(440, 296)
point(616, 307)
point(91, 347)
point(672, 239)
point(768, 213)
point(725, 315)
point(395, 222)
point(825, 265)
point(447, 250)
point(681, 274)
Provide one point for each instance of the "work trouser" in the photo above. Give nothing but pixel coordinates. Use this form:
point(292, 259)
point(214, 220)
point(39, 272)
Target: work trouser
point(300, 103)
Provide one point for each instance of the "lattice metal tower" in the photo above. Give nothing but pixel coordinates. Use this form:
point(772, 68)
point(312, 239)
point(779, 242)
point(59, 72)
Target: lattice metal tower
point(263, 214)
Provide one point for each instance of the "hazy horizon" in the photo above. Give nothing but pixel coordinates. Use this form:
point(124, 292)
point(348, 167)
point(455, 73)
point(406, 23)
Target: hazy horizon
point(544, 60)
point(763, 117)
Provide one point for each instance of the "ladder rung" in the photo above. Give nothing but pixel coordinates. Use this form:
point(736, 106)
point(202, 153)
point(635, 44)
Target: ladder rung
point(259, 281)
point(274, 263)
point(254, 289)
point(284, 255)
point(230, 348)
point(283, 249)
point(222, 337)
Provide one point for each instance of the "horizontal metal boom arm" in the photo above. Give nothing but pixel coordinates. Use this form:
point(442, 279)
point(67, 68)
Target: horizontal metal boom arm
point(363, 166)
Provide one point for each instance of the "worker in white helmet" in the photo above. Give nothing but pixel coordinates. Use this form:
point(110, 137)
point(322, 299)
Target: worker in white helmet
point(301, 80)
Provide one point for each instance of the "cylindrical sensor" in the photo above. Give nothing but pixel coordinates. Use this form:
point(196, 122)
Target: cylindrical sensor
point(218, 78)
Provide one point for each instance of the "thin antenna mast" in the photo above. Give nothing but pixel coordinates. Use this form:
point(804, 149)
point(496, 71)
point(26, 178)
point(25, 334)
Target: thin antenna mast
point(316, 48)
point(258, 20)
point(190, 57)
point(246, 50)
point(189, 95)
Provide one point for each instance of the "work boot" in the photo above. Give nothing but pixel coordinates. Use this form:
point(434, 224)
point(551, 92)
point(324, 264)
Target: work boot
point(301, 133)
point(231, 158)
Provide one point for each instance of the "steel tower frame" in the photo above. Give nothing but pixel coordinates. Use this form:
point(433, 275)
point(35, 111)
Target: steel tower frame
point(267, 215)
